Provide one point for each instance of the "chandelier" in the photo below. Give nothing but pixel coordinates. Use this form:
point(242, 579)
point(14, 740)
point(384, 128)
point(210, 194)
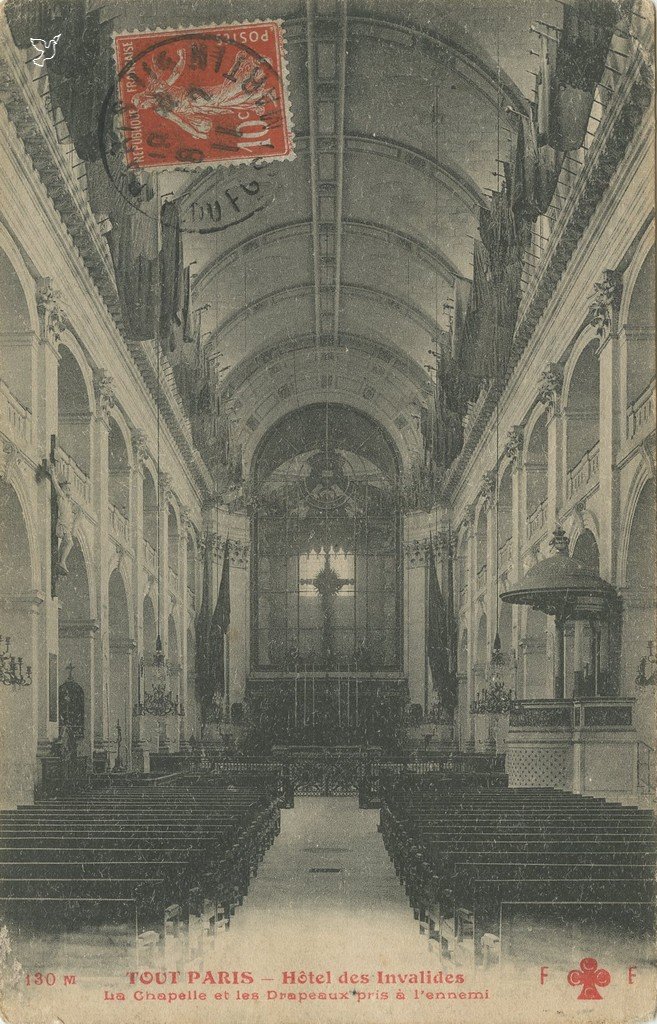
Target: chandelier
point(159, 701)
point(649, 660)
point(495, 698)
point(11, 668)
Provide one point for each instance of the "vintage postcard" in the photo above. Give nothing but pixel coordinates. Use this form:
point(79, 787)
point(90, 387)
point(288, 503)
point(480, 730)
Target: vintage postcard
point(327, 512)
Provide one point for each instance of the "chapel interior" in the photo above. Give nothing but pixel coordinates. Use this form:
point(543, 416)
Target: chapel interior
point(327, 492)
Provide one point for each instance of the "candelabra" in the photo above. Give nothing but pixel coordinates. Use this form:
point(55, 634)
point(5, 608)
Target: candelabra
point(160, 701)
point(494, 699)
point(11, 668)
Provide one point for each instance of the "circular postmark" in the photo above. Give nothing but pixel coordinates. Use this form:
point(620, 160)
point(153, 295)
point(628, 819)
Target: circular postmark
point(193, 100)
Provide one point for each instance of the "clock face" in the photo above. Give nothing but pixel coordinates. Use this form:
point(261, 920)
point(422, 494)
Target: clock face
point(328, 481)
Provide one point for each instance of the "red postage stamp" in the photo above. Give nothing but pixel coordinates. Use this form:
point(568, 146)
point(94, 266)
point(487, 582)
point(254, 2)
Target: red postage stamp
point(205, 95)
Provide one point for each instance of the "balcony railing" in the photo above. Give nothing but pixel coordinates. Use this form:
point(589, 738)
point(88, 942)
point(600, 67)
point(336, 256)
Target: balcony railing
point(585, 473)
point(15, 415)
point(641, 413)
point(150, 557)
point(78, 479)
point(119, 525)
point(537, 520)
point(580, 713)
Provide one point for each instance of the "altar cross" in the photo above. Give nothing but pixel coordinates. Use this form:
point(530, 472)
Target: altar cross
point(328, 584)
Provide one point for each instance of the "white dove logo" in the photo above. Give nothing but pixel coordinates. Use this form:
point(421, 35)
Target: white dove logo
point(46, 50)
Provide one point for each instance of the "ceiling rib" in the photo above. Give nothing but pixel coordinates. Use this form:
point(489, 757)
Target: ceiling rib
point(312, 122)
point(293, 293)
point(341, 63)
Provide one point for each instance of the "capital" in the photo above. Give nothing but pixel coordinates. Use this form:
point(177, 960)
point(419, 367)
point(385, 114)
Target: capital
point(104, 391)
point(238, 552)
point(550, 387)
point(416, 552)
point(513, 444)
point(166, 483)
point(605, 304)
point(140, 445)
point(488, 486)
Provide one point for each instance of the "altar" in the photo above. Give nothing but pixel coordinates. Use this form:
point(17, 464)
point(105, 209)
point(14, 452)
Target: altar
point(327, 708)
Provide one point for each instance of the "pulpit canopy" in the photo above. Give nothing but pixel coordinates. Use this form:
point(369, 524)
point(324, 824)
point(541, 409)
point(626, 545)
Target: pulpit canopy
point(560, 585)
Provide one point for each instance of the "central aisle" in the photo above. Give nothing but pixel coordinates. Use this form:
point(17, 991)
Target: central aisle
point(326, 896)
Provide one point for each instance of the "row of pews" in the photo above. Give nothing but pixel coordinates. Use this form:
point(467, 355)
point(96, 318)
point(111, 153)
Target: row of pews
point(157, 868)
point(476, 861)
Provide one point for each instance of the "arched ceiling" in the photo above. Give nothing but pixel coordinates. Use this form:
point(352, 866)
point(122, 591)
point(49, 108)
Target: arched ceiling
point(358, 241)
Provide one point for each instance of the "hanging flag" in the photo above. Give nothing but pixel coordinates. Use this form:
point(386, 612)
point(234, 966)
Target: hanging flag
point(437, 640)
point(172, 299)
point(204, 691)
point(218, 629)
point(588, 28)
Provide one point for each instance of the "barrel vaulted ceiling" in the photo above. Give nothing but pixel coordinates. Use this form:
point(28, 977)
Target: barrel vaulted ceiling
point(354, 245)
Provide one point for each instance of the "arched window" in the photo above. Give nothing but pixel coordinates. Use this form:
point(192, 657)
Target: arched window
point(326, 566)
point(536, 479)
point(73, 412)
point(583, 424)
point(119, 469)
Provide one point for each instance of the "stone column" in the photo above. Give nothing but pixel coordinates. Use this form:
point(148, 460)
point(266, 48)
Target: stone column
point(611, 436)
point(104, 391)
point(549, 394)
point(44, 412)
point(140, 747)
point(513, 450)
point(468, 736)
point(237, 637)
point(415, 570)
point(184, 613)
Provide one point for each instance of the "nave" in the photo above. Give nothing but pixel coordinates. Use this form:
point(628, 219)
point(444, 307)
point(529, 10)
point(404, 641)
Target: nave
point(211, 887)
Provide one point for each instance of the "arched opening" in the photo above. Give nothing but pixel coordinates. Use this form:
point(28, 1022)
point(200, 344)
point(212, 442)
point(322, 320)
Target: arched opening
point(73, 413)
point(482, 549)
point(149, 502)
point(77, 632)
point(462, 571)
point(15, 354)
point(640, 614)
point(147, 669)
point(481, 651)
point(17, 737)
point(191, 723)
point(326, 566)
point(120, 667)
point(640, 341)
point(173, 540)
point(463, 653)
point(582, 423)
point(586, 642)
point(536, 478)
point(119, 470)
point(481, 723)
